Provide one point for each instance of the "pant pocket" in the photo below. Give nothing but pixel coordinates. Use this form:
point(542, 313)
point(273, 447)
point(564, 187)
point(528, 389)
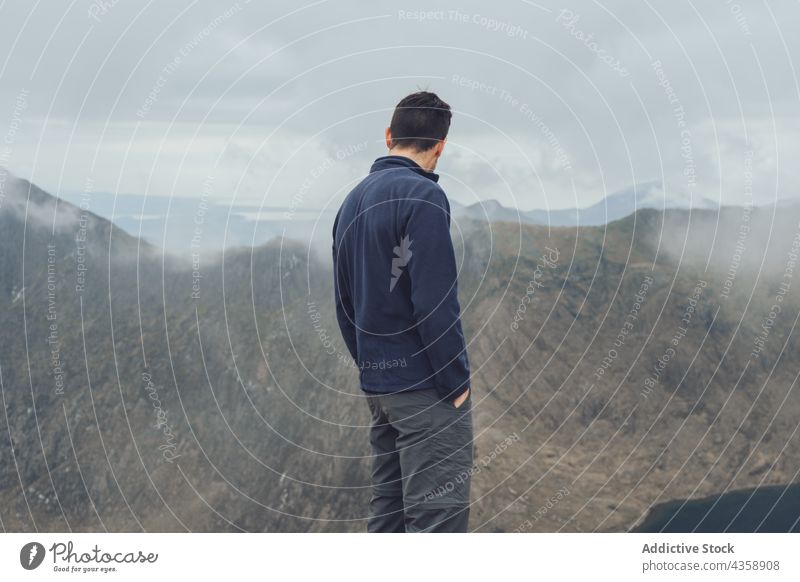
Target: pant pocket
point(452, 454)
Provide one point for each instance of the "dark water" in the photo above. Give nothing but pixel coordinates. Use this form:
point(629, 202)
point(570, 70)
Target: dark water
point(765, 509)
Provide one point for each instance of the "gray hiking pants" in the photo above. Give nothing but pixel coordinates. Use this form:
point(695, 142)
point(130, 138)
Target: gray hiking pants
point(422, 462)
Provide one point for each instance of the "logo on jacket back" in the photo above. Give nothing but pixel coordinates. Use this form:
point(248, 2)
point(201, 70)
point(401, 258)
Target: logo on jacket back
point(402, 256)
point(31, 555)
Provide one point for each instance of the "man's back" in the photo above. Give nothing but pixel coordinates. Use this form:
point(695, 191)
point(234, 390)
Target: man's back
point(396, 281)
point(397, 307)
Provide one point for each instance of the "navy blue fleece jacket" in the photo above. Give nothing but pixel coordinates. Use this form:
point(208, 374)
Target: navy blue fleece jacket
point(395, 281)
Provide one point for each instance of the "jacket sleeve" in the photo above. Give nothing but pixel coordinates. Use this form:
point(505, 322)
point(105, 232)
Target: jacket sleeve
point(434, 291)
point(345, 313)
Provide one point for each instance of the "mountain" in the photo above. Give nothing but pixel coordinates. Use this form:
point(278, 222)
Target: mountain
point(621, 204)
point(614, 207)
point(172, 223)
point(185, 225)
point(615, 368)
point(487, 210)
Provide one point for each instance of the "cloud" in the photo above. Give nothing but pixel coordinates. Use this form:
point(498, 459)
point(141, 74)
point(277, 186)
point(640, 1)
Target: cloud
point(209, 76)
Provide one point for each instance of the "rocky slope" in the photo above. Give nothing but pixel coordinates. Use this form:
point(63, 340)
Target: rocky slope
point(615, 367)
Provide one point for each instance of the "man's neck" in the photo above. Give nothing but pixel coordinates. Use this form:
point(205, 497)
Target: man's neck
point(424, 159)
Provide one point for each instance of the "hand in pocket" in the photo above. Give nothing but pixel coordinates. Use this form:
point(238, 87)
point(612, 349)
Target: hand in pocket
point(461, 399)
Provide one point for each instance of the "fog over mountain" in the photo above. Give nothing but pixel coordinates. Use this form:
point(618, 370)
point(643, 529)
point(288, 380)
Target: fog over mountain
point(172, 223)
point(615, 367)
point(613, 207)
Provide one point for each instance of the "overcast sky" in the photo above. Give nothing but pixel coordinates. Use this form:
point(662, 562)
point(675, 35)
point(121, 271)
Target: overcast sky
point(284, 103)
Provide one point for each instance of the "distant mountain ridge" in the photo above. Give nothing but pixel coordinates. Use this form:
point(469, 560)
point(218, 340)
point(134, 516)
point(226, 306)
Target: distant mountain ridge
point(614, 207)
point(170, 223)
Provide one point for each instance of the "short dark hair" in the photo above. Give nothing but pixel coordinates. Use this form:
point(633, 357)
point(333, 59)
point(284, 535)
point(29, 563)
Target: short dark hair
point(419, 121)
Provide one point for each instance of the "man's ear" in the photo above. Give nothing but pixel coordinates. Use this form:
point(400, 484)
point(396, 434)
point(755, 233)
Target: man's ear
point(440, 147)
point(388, 135)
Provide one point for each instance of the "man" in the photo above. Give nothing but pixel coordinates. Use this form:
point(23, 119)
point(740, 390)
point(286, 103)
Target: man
point(397, 307)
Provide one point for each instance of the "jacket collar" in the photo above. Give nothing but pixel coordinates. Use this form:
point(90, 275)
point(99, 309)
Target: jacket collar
point(395, 162)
